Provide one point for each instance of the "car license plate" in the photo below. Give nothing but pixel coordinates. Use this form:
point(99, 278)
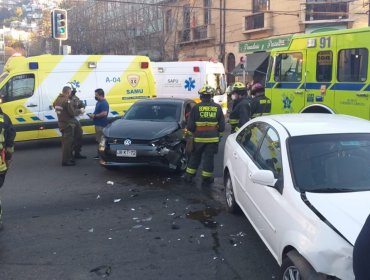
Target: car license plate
point(126, 153)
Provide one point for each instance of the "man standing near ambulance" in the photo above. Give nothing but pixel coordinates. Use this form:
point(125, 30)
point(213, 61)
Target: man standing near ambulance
point(66, 113)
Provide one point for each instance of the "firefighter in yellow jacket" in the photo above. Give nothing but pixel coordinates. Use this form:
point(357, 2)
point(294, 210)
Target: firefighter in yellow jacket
point(7, 135)
point(207, 124)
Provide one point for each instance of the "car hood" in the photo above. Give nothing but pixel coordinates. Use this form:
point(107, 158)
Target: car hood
point(144, 130)
point(347, 212)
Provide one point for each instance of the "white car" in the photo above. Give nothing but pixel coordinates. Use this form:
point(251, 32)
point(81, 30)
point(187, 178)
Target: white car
point(303, 181)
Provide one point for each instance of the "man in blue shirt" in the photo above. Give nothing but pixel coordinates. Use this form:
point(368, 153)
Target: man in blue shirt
point(100, 115)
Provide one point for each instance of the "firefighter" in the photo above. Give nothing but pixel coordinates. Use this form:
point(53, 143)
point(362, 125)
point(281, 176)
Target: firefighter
point(260, 104)
point(241, 110)
point(207, 124)
point(7, 136)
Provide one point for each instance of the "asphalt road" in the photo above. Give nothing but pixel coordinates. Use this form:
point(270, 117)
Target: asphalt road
point(85, 222)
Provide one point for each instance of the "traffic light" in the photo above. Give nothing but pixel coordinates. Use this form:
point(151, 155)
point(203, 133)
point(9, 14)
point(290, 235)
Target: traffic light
point(59, 26)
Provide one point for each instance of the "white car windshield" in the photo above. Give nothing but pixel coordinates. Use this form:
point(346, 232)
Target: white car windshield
point(160, 112)
point(330, 163)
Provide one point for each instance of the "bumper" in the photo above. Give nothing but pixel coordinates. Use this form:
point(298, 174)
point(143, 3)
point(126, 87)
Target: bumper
point(145, 156)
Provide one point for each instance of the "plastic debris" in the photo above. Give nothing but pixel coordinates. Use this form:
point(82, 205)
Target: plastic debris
point(235, 245)
point(147, 228)
point(132, 209)
point(147, 219)
point(202, 236)
point(171, 214)
point(110, 183)
point(102, 271)
point(135, 218)
point(137, 226)
point(98, 197)
point(215, 258)
point(117, 200)
point(110, 238)
point(91, 230)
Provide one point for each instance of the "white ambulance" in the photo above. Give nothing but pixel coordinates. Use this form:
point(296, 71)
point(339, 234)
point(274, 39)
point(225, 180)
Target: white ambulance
point(183, 79)
point(28, 87)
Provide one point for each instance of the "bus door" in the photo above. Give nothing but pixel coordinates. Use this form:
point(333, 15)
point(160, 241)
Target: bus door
point(287, 81)
point(352, 91)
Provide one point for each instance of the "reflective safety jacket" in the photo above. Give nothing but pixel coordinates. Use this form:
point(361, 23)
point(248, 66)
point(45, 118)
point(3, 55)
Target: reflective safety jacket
point(7, 136)
point(260, 105)
point(206, 122)
point(240, 114)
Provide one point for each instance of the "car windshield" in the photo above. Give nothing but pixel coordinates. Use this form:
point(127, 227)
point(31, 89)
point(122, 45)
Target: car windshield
point(330, 163)
point(160, 112)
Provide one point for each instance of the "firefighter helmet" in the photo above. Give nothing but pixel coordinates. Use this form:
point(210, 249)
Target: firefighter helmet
point(207, 90)
point(239, 88)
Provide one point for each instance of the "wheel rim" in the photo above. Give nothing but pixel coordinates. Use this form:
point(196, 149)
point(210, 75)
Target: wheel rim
point(183, 160)
point(291, 273)
point(229, 193)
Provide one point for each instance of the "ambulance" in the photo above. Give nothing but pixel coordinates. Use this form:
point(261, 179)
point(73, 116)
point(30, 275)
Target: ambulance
point(183, 79)
point(29, 86)
point(325, 72)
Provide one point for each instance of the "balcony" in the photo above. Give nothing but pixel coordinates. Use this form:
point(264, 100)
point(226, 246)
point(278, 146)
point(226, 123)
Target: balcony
point(197, 34)
point(320, 11)
point(257, 22)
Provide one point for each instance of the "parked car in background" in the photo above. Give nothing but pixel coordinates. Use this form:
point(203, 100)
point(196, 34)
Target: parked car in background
point(303, 181)
point(152, 132)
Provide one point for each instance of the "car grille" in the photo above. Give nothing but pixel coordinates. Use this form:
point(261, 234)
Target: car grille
point(133, 141)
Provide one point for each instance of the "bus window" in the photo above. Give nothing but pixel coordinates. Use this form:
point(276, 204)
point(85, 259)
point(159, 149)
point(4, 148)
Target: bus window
point(324, 66)
point(352, 65)
point(288, 67)
point(18, 87)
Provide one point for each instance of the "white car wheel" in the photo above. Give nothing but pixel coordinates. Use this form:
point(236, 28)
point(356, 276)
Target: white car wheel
point(231, 204)
point(291, 273)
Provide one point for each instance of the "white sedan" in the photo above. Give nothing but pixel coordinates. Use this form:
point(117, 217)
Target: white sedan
point(303, 181)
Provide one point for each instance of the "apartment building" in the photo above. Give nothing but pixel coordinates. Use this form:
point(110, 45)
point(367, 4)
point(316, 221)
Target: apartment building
point(227, 30)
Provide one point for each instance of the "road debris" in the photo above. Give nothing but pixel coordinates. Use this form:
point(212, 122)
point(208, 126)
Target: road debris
point(91, 230)
point(117, 200)
point(110, 183)
point(102, 271)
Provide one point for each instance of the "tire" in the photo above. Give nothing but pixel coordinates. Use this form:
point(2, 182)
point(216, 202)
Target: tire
point(183, 161)
point(231, 205)
point(289, 271)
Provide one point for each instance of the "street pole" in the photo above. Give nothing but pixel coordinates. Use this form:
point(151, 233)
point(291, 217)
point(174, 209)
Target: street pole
point(60, 47)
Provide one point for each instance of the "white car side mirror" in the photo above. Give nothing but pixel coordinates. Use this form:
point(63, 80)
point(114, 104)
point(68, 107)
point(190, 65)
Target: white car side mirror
point(263, 177)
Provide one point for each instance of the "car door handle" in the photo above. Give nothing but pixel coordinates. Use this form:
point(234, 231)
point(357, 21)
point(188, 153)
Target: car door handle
point(235, 155)
point(362, 94)
point(31, 105)
point(298, 92)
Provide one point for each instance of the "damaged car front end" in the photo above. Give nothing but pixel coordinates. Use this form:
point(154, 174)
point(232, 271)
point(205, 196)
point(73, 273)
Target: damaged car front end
point(154, 137)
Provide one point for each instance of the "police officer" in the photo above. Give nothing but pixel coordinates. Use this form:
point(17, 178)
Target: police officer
point(241, 110)
point(207, 124)
point(260, 104)
point(77, 143)
point(7, 136)
point(66, 113)
point(361, 253)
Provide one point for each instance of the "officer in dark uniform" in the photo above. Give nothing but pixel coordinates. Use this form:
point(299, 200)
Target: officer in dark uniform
point(361, 253)
point(66, 113)
point(7, 136)
point(241, 111)
point(260, 104)
point(77, 144)
point(207, 124)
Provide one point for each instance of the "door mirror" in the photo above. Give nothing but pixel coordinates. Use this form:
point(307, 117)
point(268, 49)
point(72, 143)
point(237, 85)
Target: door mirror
point(263, 177)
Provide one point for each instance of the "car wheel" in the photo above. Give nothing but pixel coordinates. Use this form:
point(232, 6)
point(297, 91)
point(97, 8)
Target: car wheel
point(231, 204)
point(289, 271)
point(296, 267)
point(183, 161)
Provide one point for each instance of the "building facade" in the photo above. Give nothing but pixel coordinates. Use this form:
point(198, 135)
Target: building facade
point(227, 30)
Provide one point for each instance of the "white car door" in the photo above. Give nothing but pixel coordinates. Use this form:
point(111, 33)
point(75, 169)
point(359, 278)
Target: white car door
point(267, 201)
point(245, 147)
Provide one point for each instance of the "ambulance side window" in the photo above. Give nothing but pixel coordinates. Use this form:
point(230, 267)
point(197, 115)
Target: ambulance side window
point(352, 65)
point(324, 66)
point(18, 87)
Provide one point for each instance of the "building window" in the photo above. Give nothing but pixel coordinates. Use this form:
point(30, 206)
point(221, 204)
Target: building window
point(168, 20)
point(326, 11)
point(324, 66)
point(261, 5)
point(255, 21)
point(207, 12)
point(352, 65)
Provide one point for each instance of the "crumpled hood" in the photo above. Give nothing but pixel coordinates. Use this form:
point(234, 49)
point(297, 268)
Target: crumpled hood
point(143, 130)
point(347, 212)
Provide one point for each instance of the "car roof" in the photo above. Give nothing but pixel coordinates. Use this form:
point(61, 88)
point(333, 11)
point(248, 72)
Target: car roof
point(165, 100)
point(315, 123)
